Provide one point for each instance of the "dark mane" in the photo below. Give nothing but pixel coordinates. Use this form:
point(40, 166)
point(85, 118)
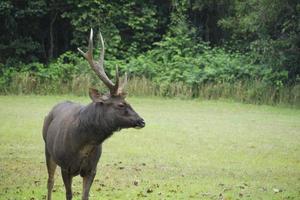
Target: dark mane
point(93, 121)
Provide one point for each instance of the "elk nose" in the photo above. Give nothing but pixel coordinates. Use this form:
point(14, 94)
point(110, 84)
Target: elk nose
point(140, 123)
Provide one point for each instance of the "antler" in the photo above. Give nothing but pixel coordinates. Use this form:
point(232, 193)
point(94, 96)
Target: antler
point(97, 66)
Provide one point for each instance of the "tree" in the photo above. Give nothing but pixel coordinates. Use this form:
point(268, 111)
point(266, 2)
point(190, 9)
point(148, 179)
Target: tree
point(270, 29)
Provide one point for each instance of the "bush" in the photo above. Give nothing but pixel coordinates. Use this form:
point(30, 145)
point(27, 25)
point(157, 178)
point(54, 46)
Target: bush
point(171, 69)
point(173, 61)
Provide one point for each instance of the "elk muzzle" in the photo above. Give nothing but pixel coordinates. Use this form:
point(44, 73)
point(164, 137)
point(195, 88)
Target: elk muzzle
point(140, 123)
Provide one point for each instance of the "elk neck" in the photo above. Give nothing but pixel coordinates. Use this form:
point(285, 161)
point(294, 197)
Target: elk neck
point(95, 126)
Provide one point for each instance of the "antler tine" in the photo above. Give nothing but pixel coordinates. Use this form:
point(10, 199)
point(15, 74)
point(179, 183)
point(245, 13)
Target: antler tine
point(117, 77)
point(89, 54)
point(101, 58)
point(90, 47)
point(125, 80)
point(98, 66)
point(121, 87)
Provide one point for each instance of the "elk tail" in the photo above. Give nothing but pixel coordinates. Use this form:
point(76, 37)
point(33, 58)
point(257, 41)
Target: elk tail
point(47, 121)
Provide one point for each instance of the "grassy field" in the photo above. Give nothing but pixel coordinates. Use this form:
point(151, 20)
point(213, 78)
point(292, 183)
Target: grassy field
point(188, 150)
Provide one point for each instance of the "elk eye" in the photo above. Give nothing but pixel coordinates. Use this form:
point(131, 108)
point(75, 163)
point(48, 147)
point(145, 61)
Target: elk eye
point(121, 105)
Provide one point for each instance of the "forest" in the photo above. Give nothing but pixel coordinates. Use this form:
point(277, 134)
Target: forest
point(248, 51)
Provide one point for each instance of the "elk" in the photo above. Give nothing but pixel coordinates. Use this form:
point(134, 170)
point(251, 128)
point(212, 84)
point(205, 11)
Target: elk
point(74, 133)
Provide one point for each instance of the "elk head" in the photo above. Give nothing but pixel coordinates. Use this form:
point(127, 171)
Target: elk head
point(112, 105)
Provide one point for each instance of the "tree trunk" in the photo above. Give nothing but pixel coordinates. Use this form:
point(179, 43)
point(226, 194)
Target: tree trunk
point(51, 46)
point(207, 28)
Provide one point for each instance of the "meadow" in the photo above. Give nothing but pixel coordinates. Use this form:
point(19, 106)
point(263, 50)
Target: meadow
point(189, 149)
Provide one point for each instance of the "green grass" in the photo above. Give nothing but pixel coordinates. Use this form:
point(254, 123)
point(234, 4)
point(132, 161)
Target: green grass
point(188, 150)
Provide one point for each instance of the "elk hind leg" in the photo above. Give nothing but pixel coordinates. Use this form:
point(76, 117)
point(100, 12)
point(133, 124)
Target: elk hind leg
point(67, 179)
point(51, 166)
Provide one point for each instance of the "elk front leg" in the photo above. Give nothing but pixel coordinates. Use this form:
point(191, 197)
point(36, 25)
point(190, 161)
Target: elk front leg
point(67, 178)
point(87, 183)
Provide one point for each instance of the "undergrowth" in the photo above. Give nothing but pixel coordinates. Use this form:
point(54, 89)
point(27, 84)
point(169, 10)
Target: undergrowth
point(256, 92)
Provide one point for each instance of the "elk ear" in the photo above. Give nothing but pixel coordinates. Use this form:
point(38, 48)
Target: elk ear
point(95, 95)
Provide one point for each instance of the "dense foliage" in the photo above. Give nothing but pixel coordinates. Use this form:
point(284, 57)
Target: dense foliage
point(190, 43)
